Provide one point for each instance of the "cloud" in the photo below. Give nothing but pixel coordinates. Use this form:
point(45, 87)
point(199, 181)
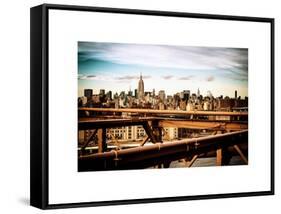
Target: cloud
point(233, 61)
point(132, 77)
point(94, 77)
point(86, 77)
point(210, 79)
point(241, 78)
point(164, 55)
point(235, 74)
point(127, 77)
point(167, 77)
point(111, 78)
point(91, 76)
point(186, 77)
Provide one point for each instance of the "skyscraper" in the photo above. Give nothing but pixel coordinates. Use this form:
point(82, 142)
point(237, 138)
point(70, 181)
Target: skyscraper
point(186, 94)
point(162, 95)
point(140, 88)
point(88, 93)
point(102, 92)
point(109, 95)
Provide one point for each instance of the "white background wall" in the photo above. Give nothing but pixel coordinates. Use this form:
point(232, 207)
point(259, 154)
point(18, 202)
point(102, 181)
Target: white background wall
point(14, 113)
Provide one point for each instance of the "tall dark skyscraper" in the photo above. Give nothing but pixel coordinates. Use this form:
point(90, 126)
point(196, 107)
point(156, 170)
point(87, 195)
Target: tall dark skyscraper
point(186, 94)
point(109, 95)
point(140, 88)
point(235, 94)
point(102, 92)
point(88, 93)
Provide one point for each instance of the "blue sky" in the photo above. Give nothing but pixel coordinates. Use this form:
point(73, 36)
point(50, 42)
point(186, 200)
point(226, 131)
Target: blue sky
point(117, 67)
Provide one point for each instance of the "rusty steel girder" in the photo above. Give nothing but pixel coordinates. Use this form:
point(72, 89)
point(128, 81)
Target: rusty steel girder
point(153, 111)
point(159, 153)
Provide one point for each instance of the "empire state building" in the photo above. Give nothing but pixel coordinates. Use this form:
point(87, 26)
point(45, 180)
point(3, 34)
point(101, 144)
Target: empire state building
point(141, 88)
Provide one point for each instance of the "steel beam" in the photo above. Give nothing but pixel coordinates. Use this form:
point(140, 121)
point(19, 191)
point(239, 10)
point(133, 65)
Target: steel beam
point(214, 125)
point(92, 123)
point(151, 155)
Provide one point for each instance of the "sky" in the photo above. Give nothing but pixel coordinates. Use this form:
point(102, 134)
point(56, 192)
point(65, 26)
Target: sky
point(117, 67)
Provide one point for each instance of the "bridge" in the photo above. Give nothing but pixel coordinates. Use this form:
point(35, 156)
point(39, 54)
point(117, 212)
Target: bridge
point(228, 135)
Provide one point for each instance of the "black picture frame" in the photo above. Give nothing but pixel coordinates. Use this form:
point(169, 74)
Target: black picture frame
point(39, 112)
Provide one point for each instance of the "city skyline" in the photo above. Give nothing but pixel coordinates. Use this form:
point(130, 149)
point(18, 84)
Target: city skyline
point(184, 100)
point(117, 67)
point(97, 92)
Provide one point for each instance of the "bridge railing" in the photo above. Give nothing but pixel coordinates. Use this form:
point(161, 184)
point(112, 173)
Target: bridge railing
point(151, 155)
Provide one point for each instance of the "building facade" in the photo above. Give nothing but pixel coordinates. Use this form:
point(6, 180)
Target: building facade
point(141, 88)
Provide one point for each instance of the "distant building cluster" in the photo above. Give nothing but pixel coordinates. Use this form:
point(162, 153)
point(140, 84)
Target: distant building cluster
point(131, 134)
point(139, 98)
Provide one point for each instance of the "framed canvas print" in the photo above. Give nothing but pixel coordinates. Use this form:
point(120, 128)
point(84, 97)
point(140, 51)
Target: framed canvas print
point(136, 106)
